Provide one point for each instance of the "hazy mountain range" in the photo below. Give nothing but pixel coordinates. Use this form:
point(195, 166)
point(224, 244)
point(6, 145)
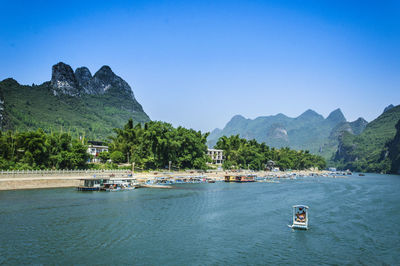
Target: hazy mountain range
point(309, 131)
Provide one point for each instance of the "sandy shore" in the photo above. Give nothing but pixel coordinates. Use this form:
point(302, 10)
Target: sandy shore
point(32, 181)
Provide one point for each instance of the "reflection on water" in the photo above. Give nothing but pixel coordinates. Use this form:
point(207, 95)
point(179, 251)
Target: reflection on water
point(352, 220)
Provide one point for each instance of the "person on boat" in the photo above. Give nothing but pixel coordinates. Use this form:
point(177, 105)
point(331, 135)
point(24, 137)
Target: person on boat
point(301, 217)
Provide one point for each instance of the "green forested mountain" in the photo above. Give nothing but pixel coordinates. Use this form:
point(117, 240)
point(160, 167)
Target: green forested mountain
point(369, 151)
point(394, 151)
point(75, 102)
point(309, 131)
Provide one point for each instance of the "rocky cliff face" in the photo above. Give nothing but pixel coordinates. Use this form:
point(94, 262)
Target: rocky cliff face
point(65, 81)
point(85, 80)
point(105, 79)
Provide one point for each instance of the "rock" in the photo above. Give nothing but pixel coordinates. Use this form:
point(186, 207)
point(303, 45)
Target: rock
point(105, 79)
point(85, 80)
point(63, 80)
point(278, 131)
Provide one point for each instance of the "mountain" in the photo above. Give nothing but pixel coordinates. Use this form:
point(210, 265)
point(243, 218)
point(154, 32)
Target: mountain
point(309, 131)
point(354, 128)
point(394, 151)
point(335, 117)
point(1, 109)
point(369, 151)
point(387, 108)
point(75, 101)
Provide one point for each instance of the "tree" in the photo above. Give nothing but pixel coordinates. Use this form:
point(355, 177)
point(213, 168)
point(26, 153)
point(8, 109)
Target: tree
point(117, 157)
point(104, 156)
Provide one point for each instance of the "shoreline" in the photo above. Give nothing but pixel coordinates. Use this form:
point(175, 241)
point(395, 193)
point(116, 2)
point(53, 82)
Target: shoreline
point(55, 180)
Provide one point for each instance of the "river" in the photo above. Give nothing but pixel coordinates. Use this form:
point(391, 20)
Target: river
point(353, 220)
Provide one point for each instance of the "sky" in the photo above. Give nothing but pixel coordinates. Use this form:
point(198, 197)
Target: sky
point(198, 63)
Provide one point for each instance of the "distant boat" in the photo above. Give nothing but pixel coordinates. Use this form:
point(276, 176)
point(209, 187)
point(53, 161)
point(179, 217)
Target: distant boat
point(241, 178)
point(300, 217)
point(90, 184)
point(361, 174)
point(118, 185)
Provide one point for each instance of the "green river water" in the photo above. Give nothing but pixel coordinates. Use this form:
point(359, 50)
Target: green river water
point(353, 220)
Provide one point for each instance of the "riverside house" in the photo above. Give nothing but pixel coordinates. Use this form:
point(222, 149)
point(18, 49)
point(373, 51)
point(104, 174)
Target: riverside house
point(217, 156)
point(94, 149)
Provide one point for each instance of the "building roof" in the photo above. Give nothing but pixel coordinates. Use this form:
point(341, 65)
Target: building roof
point(97, 143)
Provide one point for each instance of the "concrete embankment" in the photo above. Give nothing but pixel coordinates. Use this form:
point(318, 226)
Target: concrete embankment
point(37, 183)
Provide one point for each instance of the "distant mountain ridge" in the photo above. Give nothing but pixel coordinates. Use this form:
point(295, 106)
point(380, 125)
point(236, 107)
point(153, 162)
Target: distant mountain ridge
point(75, 101)
point(309, 131)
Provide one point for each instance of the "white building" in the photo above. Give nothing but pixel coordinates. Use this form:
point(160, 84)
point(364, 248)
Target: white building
point(94, 148)
point(216, 155)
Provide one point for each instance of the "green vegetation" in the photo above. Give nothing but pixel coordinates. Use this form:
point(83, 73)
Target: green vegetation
point(35, 150)
point(93, 116)
point(151, 146)
point(368, 152)
point(155, 144)
point(394, 151)
point(309, 131)
point(242, 153)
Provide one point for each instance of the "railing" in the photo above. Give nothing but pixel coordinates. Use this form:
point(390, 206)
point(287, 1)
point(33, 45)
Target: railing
point(65, 171)
point(95, 171)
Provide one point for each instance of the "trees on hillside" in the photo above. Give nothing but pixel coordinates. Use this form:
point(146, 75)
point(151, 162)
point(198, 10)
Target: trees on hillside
point(242, 153)
point(38, 150)
point(152, 145)
point(155, 144)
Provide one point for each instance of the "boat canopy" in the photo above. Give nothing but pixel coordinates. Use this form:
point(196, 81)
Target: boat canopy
point(300, 206)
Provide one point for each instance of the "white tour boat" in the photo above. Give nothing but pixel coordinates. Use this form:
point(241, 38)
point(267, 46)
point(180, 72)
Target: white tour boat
point(300, 217)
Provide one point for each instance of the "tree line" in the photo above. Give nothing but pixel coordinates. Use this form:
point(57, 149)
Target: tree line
point(249, 154)
point(152, 145)
point(33, 150)
point(155, 144)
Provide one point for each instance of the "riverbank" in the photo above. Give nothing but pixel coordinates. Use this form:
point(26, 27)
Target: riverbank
point(50, 179)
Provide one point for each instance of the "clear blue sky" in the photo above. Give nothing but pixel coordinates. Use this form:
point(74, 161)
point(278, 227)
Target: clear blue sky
point(198, 63)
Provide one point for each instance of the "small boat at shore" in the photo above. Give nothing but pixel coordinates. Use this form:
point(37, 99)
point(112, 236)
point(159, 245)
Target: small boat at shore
point(117, 185)
point(109, 185)
point(240, 178)
point(300, 217)
point(90, 184)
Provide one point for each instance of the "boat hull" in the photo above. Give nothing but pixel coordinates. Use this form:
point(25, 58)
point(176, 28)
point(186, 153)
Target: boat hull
point(299, 227)
point(88, 188)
